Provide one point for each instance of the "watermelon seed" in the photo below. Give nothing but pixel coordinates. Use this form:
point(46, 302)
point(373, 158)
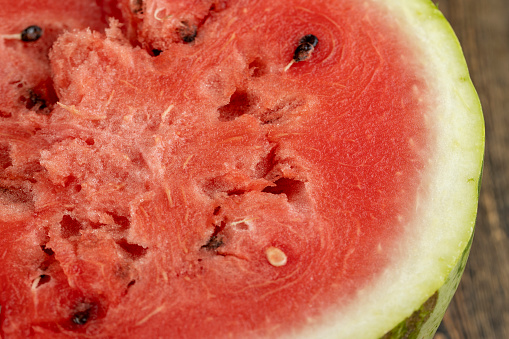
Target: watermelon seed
point(137, 6)
point(304, 50)
point(275, 256)
point(215, 241)
point(34, 102)
point(29, 34)
point(309, 39)
point(84, 312)
point(187, 32)
point(81, 318)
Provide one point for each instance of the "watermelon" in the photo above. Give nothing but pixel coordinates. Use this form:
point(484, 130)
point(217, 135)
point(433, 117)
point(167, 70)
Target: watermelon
point(245, 169)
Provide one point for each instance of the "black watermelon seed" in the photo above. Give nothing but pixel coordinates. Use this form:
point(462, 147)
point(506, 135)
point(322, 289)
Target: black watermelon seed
point(310, 38)
point(188, 32)
point(215, 241)
point(303, 52)
point(213, 244)
point(35, 101)
point(31, 33)
point(137, 6)
point(81, 318)
point(306, 46)
point(84, 313)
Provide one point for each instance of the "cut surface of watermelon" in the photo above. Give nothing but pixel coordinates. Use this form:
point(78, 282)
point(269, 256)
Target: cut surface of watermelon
point(165, 169)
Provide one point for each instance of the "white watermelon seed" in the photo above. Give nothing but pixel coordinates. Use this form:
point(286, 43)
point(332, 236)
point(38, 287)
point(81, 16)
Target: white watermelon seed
point(275, 256)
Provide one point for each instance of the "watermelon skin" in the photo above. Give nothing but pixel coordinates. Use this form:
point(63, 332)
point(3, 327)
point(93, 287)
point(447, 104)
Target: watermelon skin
point(424, 322)
point(422, 329)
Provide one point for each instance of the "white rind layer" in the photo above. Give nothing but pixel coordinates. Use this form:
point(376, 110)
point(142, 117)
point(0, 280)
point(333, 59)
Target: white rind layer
point(432, 257)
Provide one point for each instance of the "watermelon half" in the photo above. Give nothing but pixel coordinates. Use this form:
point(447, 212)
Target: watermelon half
point(177, 169)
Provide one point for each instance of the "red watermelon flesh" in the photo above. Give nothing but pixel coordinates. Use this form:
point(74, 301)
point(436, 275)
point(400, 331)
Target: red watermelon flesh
point(146, 168)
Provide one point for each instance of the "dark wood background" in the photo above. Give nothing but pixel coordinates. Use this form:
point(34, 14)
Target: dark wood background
point(480, 308)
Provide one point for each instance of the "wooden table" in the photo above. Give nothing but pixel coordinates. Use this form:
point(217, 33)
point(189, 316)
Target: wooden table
point(480, 308)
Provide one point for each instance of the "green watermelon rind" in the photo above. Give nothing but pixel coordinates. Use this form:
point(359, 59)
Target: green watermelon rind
point(424, 322)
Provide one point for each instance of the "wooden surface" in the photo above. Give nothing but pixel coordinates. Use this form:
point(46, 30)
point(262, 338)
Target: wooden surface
point(480, 308)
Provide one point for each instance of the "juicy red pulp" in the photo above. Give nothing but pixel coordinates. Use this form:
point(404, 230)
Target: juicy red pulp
point(144, 202)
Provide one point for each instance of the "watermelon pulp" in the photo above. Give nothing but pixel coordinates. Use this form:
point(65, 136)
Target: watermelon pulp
point(148, 166)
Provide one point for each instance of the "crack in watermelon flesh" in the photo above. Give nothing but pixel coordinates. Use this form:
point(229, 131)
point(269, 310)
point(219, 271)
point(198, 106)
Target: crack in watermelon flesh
point(143, 197)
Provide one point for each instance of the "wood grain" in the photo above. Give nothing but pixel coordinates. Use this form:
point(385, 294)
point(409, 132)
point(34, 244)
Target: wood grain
point(480, 308)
